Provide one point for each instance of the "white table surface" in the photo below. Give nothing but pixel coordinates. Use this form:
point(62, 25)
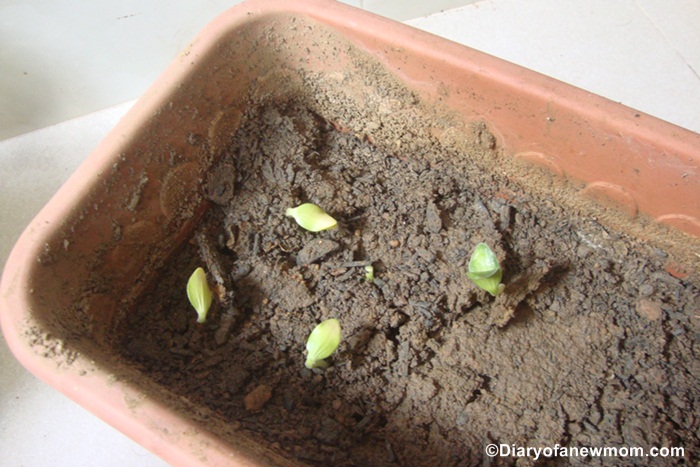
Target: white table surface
point(643, 53)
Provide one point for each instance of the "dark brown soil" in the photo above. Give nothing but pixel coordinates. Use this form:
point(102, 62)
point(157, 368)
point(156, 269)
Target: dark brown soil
point(594, 343)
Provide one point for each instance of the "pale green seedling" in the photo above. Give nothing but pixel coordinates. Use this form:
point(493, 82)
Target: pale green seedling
point(311, 217)
point(322, 342)
point(369, 273)
point(485, 271)
point(199, 293)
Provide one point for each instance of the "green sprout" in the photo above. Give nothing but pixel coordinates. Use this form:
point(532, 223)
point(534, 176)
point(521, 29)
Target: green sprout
point(199, 293)
point(485, 271)
point(311, 217)
point(322, 342)
point(369, 273)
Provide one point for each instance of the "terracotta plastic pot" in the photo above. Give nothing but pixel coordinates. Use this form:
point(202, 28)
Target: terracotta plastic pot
point(99, 242)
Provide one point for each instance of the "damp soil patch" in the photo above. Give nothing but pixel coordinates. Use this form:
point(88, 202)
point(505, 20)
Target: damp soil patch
point(595, 341)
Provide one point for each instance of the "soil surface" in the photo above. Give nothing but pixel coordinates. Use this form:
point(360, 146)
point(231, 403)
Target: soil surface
point(593, 343)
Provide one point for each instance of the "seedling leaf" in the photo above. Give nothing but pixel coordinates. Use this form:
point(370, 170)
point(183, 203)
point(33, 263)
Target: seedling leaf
point(199, 294)
point(369, 273)
point(485, 271)
point(322, 342)
point(311, 217)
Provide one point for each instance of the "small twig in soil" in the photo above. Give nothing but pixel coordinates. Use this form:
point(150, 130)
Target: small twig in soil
point(481, 207)
point(505, 217)
point(346, 276)
point(224, 285)
point(230, 231)
point(181, 352)
point(421, 305)
point(353, 219)
point(354, 264)
point(520, 289)
point(212, 258)
point(256, 245)
point(228, 319)
point(390, 452)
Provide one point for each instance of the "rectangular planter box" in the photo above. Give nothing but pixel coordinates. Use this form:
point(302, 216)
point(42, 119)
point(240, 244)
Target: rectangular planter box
point(83, 260)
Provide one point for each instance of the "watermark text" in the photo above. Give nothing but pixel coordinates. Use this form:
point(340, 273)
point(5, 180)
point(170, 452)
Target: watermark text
point(511, 450)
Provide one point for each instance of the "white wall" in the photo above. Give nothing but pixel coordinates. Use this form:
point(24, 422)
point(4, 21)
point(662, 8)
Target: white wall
point(642, 53)
point(63, 58)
